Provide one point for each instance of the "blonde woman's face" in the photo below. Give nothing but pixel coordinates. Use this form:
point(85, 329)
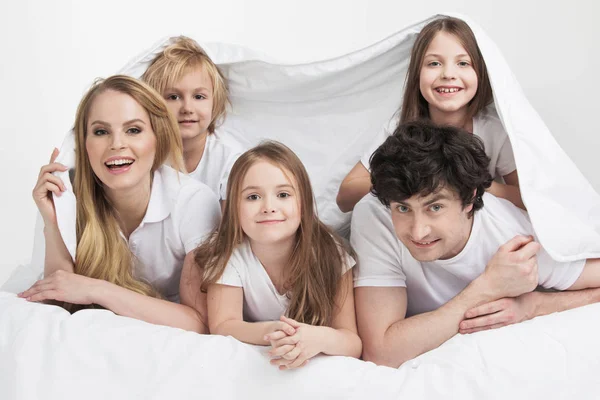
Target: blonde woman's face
point(190, 100)
point(269, 207)
point(447, 80)
point(120, 142)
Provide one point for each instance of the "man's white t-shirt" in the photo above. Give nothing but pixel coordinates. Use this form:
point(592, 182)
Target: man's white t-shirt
point(220, 153)
point(486, 125)
point(262, 301)
point(383, 261)
point(181, 213)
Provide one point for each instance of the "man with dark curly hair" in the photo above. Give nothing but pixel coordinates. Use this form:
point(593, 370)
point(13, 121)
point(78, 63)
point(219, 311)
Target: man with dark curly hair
point(438, 255)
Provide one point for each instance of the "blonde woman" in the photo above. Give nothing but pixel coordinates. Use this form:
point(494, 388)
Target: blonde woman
point(196, 94)
point(137, 219)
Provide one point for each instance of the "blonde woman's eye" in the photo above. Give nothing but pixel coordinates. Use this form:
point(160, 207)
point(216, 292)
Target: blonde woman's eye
point(200, 97)
point(134, 130)
point(100, 132)
point(284, 195)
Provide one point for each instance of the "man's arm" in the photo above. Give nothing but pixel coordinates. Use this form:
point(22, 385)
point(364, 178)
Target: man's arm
point(507, 311)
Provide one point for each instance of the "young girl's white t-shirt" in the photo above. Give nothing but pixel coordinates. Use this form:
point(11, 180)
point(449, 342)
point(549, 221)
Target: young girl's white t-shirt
point(181, 214)
point(220, 152)
point(486, 125)
point(384, 261)
point(262, 301)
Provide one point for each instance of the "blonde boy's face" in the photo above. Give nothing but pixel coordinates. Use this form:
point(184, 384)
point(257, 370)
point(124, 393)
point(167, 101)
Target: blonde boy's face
point(190, 100)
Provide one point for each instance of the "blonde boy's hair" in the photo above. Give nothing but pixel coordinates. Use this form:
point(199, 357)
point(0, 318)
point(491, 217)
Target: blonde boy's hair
point(178, 59)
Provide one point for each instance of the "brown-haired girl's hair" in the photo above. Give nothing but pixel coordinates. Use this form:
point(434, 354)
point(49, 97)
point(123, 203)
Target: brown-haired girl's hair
point(414, 106)
point(178, 59)
point(102, 253)
point(317, 261)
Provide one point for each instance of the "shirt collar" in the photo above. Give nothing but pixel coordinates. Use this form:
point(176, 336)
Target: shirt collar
point(161, 198)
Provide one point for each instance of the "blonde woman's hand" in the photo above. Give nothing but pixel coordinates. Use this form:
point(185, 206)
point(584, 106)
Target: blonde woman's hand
point(63, 286)
point(45, 186)
point(294, 351)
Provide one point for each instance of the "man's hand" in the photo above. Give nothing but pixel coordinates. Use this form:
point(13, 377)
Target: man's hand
point(506, 311)
point(513, 270)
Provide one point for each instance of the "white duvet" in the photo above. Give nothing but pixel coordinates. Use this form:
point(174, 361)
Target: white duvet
point(328, 112)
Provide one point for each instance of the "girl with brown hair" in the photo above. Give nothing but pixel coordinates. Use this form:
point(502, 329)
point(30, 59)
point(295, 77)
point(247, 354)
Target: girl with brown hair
point(137, 219)
point(447, 82)
point(275, 274)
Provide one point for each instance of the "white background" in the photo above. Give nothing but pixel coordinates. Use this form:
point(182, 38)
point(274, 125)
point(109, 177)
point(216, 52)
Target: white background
point(50, 51)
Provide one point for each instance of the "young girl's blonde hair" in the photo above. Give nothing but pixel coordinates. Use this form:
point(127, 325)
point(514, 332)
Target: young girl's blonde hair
point(414, 105)
point(317, 261)
point(102, 253)
point(180, 58)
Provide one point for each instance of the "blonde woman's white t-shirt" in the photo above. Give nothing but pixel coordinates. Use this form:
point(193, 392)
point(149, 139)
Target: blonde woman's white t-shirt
point(486, 125)
point(220, 153)
point(384, 261)
point(181, 214)
point(262, 301)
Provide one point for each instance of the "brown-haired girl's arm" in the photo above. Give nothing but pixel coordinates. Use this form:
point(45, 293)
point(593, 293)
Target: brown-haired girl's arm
point(341, 339)
point(509, 191)
point(353, 188)
point(57, 256)
point(78, 289)
point(225, 316)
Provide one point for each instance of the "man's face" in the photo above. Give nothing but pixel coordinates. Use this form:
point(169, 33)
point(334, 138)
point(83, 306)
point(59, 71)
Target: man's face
point(434, 227)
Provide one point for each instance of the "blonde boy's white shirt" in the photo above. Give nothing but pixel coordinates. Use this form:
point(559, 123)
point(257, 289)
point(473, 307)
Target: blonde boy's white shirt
point(220, 153)
point(181, 214)
point(383, 261)
point(262, 301)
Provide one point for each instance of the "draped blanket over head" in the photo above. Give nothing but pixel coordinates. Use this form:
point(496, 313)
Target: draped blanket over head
point(329, 111)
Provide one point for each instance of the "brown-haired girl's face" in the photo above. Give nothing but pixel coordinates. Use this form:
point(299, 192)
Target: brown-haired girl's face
point(190, 100)
point(447, 80)
point(269, 206)
point(120, 142)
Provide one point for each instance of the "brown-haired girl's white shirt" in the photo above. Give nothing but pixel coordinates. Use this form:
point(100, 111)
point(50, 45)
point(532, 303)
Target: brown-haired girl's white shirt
point(486, 125)
point(262, 301)
point(220, 152)
point(181, 214)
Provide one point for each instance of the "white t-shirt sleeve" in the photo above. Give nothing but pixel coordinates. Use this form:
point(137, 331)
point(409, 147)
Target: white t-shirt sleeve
point(377, 248)
point(202, 214)
point(384, 132)
point(557, 275)
point(506, 158)
point(231, 276)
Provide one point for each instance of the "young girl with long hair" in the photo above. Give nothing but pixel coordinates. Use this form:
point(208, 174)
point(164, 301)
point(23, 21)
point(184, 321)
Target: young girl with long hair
point(137, 219)
point(447, 83)
point(275, 274)
point(196, 93)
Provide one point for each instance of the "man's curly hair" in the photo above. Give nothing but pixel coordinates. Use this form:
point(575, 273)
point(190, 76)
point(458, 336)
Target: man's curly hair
point(421, 158)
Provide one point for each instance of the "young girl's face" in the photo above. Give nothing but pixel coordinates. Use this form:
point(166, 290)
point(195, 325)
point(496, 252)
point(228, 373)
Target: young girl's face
point(269, 207)
point(190, 100)
point(447, 81)
point(120, 141)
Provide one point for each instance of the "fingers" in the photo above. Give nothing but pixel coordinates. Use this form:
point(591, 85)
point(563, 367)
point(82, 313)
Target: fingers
point(287, 328)
point(484, 309)
point(516, 243)
point(52, 167)
point(286, 340)
point(287, 358)
point(274, 336)
point(282, 351)
point(483, 328)
point(528, 251)
point(290, 321)
point(40, 286)
point(501, 317)
point(54, 155)
point(298, 362)
point(51, 294)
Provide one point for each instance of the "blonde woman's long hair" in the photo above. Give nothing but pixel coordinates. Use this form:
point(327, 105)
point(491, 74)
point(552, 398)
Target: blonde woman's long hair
point(102, 253)
point(317, 261)
point(178, 59)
